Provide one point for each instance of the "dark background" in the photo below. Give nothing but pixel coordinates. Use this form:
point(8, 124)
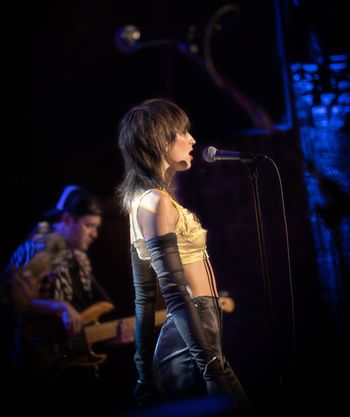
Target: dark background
point(66, 86)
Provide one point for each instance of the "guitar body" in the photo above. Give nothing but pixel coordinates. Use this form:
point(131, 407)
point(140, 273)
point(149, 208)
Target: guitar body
point(46, 350)
point(42, 349)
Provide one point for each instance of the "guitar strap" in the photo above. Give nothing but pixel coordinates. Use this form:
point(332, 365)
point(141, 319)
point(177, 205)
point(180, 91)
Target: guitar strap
point(81, 298)
point(101, 290)
point(97, 285)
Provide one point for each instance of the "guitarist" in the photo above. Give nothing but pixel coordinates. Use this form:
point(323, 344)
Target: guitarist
point(69, 287)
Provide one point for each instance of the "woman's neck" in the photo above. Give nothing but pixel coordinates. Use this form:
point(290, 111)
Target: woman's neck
point(168, 174)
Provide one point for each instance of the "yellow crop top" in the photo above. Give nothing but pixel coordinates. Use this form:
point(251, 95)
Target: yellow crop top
point(191, 237)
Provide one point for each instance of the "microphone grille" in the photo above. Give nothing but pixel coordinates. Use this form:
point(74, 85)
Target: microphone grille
point(127, 38)
point(209, 154)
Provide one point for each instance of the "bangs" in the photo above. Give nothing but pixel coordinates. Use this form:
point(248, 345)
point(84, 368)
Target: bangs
point(172, 119)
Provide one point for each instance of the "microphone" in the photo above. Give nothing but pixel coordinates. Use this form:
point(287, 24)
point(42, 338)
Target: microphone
point(212, 154)
point(130, 38)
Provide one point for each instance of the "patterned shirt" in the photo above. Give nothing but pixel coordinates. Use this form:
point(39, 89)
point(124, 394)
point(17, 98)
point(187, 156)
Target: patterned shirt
point(58, 284)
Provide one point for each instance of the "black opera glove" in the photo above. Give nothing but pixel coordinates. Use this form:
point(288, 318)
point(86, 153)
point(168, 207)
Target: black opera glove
point(167, 264)
point(145, 286)
point(146, 393)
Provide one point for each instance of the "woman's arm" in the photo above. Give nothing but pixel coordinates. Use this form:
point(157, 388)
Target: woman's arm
point(145, 298)
point(157, 218)
point(145, 287)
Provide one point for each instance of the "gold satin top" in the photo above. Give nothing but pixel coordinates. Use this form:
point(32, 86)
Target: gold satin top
point(191, 237)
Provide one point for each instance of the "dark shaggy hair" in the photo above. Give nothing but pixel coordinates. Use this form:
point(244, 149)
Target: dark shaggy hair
point(145, 133)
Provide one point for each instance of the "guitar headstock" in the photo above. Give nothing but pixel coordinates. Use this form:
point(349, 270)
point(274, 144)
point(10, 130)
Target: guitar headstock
point(227, 304)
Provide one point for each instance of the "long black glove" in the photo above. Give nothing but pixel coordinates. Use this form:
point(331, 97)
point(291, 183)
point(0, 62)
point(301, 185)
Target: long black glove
point(167, 264)
point(145, 297)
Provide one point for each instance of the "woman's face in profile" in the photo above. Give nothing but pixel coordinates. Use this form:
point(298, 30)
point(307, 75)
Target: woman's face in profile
point(179, 155)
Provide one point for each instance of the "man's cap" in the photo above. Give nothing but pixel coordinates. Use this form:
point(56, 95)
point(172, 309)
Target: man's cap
point(76, 200)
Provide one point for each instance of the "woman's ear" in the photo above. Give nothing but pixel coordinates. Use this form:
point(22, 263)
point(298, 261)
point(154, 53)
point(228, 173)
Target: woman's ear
point(165, 153)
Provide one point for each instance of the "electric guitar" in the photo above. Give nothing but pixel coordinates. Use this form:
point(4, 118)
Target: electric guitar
point(48, 349)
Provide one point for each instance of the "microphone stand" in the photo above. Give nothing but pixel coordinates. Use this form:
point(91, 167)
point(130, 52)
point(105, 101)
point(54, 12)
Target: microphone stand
point(253, 173)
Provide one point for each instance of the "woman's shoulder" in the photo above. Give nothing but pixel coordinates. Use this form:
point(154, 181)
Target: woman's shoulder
point(155, 197)
point(157, 214)
point(158, 203)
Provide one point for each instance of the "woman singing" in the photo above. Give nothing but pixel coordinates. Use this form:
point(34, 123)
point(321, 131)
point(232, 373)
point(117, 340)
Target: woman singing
point(168, 244)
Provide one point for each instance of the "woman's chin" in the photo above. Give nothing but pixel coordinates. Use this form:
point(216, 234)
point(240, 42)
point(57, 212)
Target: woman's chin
point(184, 165)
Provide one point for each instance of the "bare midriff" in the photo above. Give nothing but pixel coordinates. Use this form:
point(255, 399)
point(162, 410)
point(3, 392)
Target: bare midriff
point(200, 279)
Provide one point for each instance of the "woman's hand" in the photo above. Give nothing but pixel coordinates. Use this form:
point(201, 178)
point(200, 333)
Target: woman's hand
point(146, 393)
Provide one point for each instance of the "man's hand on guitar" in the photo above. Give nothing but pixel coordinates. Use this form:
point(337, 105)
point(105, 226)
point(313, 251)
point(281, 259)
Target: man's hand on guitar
point(71, 318)
point(126, 331)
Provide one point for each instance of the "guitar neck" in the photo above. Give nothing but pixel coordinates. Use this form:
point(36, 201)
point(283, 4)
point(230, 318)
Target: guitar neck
point(108, 330)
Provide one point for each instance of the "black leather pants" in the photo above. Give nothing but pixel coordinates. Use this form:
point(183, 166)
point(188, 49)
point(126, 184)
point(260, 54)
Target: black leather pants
point(176, 373)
